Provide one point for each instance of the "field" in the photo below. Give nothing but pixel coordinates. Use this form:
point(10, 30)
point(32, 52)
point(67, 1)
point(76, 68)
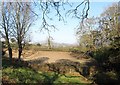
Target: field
point(51, 56)
point(48, 67)
point(60, 42)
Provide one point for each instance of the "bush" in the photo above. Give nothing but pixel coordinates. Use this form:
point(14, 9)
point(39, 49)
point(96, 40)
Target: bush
point(101, 55)
point(75, 50)
point(109, 66)
point(106, 78)
point(108, 58)
point(38, 44)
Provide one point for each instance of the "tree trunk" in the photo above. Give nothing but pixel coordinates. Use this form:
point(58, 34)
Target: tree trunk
point(9, 49)
point(49, 44)
point(10, 53)
point(19, 52)
point(8, 44)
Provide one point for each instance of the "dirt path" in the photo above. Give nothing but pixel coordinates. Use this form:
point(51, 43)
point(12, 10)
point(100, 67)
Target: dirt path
point(52, 56)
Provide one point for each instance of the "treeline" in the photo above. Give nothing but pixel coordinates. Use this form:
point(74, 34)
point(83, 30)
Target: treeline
point(102, 39)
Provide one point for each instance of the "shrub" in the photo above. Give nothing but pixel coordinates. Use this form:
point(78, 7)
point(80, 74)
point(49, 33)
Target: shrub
point(75, 50)
point(38, 44)
point(106, 78)
point(101, 55)
point(108, 60)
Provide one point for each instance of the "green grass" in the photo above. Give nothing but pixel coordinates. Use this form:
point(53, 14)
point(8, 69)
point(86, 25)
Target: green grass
point(26, 75)
point(20, 73)
point(74, 80)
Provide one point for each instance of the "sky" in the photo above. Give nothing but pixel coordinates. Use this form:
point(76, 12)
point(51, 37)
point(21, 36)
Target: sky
point(66, 32)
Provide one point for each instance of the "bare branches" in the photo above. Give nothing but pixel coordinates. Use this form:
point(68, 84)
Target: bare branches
point(47, 7)
point(17, 18)
point(76, 13)
point(56, 6)
point(87, 26)
point(5, 23)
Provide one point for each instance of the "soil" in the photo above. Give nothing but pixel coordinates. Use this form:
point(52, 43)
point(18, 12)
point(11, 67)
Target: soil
point(52, 56)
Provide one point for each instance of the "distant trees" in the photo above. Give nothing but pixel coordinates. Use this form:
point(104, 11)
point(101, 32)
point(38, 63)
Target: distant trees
point(38, 44)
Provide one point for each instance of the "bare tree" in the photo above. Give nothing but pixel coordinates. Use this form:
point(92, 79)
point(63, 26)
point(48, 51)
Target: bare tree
point(6, 25)
point(109, 25)
point(49, 41)
point(23, 19)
